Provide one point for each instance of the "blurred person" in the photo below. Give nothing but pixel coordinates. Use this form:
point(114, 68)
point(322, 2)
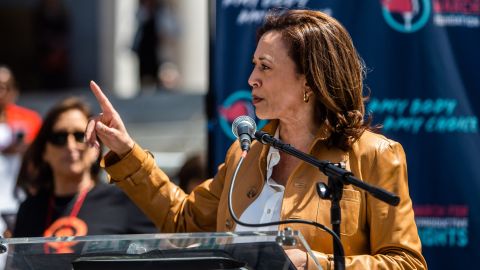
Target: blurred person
point(65, 195)
point(155, 44)
point(192, 173)
point(51, 23)
point(145, 43)
point(18, 128)
point(307, 79)
point(170, 31)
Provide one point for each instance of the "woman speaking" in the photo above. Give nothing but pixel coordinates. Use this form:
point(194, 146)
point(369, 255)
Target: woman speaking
point(307, 80)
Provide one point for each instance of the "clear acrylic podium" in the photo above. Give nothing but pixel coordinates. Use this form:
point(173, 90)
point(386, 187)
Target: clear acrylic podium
point(242, 250)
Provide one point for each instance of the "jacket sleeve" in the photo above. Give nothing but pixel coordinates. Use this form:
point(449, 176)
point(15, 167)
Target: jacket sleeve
point(394, 240)
point(162, 201)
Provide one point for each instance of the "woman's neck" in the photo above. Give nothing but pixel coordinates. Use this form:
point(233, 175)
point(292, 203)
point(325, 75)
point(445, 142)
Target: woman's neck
point(299, 134)
point(69, 185)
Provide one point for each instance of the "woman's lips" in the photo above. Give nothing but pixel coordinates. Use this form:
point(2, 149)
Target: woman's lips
point(256, 99)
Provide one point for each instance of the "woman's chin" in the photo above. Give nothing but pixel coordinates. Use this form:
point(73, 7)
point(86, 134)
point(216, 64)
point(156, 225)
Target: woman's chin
point(261, 115)
point(75, 170)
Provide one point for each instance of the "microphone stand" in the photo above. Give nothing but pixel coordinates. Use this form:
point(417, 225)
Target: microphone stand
point(337, 178)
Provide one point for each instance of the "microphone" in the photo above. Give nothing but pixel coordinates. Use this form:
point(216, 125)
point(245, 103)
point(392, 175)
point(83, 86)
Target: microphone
point(243, 127)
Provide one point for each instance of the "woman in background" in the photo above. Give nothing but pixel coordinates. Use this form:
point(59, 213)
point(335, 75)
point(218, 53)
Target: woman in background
point(60, 175)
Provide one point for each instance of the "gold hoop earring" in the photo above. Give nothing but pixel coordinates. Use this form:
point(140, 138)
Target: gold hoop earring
point(306, 97)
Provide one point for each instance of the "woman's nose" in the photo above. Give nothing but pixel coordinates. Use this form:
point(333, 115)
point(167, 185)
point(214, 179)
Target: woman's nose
point(71, 142)
point(253, 80)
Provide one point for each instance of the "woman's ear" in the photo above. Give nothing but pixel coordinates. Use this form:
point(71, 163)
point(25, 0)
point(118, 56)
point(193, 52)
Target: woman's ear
point(309, 90)
point(306, 86)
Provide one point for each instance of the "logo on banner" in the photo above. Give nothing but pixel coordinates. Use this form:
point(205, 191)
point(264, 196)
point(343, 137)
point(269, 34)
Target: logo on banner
point(406, 16)
point(238, 103)
point(431, 115)
point(443, 225)
point(458, 13)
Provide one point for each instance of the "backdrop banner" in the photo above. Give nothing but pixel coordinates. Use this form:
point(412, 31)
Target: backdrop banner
point(423, 61)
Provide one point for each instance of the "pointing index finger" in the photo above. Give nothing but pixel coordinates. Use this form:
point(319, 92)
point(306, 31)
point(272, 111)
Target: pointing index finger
point(103, 101)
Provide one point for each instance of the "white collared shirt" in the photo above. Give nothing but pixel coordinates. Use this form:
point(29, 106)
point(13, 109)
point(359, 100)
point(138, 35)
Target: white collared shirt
point(267, 206)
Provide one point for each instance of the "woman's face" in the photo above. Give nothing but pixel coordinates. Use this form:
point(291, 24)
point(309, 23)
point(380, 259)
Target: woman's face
point(6, 88)
point(277, 89)
point(65, 151)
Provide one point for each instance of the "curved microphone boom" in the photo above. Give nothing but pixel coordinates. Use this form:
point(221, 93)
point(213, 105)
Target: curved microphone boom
point(243, 127)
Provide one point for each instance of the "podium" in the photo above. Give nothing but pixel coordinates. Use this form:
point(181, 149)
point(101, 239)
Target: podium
point(239, 250)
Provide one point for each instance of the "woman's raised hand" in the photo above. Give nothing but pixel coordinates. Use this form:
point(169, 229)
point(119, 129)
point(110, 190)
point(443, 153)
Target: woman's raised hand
point(108, 126)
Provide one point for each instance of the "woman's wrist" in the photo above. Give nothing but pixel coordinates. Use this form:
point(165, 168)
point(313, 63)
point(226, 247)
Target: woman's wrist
point(122, 153)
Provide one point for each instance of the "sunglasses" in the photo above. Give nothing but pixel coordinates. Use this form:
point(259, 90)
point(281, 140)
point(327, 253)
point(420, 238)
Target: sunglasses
point(60, 138)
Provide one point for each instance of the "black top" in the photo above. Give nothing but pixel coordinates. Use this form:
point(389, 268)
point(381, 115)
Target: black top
point(105, 210)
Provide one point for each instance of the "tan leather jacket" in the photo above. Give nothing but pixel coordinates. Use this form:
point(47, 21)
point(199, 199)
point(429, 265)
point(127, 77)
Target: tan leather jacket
point(374, 234)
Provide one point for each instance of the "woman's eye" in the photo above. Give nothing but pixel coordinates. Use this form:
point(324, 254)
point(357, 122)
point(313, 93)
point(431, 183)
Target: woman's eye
point(260, 66)
point(264, 67)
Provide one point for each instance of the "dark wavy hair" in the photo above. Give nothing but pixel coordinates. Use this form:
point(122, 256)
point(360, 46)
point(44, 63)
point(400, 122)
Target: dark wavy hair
point(35, 174)
point(323, 51)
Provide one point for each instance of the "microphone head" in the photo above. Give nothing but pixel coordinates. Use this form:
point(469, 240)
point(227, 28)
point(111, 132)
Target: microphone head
point(244, 121)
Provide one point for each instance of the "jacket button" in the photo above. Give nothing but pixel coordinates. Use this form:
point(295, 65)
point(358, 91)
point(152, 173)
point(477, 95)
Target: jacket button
point(228, 223)
point(252, 192)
